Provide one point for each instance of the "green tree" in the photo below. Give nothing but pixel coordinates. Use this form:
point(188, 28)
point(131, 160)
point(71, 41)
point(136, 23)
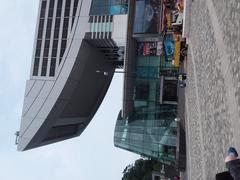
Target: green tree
point(142, 169)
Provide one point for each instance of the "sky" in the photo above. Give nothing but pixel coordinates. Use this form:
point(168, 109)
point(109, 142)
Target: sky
point(88, 157)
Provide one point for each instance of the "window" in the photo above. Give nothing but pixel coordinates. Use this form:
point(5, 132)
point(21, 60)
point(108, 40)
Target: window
point(54, 48)
point(59, 8)
point(63, 47)
point(38, 52)
point(56, 29)
point(67, 8)
point(65, 28)
point(49, 28)
point(46, 48)
point(142, 91)
point(40, 28)
point(35, 67)
point(43, 9)
point(52, 67)
point(75, 7)
point(44, 67)
point(51, 5)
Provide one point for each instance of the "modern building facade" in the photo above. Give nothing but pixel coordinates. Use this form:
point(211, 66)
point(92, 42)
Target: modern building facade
point(78, 45)
point(146, 123)
point(74, 40)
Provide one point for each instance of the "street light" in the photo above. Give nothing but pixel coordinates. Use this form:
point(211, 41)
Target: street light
point(17, 133)
point(105, 73)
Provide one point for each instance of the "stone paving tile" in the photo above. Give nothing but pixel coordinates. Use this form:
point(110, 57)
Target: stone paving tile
point(210, 130)
point(229, 19)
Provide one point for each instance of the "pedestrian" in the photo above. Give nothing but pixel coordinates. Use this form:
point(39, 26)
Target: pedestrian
point(233, 165)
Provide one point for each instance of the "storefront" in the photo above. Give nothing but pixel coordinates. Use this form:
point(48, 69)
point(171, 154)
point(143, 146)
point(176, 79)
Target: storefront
point(148, 128)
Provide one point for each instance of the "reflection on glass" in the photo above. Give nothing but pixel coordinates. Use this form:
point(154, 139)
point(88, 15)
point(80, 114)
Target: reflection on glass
point(108, 7)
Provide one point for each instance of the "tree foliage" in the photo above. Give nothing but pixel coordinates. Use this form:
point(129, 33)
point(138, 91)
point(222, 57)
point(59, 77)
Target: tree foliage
point(141, 170)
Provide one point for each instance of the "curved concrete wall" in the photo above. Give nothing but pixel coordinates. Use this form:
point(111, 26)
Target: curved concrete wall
point(61, 108)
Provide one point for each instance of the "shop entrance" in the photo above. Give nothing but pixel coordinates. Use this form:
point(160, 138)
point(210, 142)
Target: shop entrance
point(168, 90)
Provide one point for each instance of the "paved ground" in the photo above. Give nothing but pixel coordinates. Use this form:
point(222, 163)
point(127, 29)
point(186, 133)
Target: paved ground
point(213, 87)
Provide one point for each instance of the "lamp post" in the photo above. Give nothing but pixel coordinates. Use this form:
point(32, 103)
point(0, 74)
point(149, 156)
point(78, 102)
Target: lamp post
point(105, 73)
point(17, 133)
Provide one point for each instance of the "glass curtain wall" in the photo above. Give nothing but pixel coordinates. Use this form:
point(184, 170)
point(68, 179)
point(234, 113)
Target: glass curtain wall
point(109, 7)
point(150, 130)
point(147, 17)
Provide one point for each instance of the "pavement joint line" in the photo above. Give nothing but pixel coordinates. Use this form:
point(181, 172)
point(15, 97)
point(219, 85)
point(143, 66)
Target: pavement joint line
point(187, 130)
point(225, 69)
point(186, 17)
point(198, 109)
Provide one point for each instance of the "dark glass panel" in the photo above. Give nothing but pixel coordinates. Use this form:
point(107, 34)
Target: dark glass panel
point(67, 12)
point(65, 28)
point(39, 43)
point(36, 66)
point(142, 91)
point(46, 48)
point(44, 67)
point(56, 29)
point(54, 48)
point(63, 47)
point(108, 7)
point(75, 7)
point(50, 12)
point(65, 32)
point(59, 8)
point(40, 28)
point(59, 4)
point(52, 67)
point(51, 5)
point(43, 9)
point(68, 3)
point(38, 51)
point(67, 8)
point(49, 28)
point(41, 23)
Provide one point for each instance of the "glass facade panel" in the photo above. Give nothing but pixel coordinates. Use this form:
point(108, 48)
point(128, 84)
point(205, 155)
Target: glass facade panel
point(143, 137)
point(109, 7)
point(147, 17)
point(150, 129)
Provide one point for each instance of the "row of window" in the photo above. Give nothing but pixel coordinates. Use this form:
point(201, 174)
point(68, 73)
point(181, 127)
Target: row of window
point(48, 15)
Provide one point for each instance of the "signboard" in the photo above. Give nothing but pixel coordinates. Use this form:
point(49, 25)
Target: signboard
point(150, 49)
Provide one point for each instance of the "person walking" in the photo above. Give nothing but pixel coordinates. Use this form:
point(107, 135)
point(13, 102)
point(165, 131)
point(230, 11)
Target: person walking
point(233, 165)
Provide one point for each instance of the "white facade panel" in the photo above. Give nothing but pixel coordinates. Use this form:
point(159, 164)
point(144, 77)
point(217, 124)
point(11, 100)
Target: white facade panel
point(85, 8)
point(73, 51)
point(31, 95)
point(27, 136)
point(29, 86)
point(58, 87)
point(119, 33)
point(35, 107)
point(48, 85)
point(30, 115)
point(82, 27)
point(36, 89)
point(49, 103)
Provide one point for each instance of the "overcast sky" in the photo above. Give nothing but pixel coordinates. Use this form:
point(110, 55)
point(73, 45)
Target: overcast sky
point(89, 157)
